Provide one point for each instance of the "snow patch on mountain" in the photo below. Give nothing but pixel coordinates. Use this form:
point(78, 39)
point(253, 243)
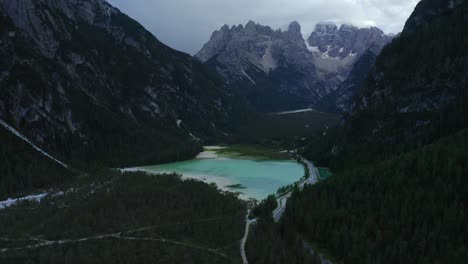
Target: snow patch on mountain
point(21, 136)
point(268, 62)
point(247, 76)
point(9, 202)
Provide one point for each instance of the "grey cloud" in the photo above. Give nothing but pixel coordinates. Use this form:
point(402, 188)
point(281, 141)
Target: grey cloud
point(187, 24)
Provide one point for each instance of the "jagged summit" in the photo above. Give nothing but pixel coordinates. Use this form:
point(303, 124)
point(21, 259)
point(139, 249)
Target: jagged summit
point(326, 27)
point(294, 26)
point(253, 55)
point(240, 32)
point(294, 32)
point(251, 25)
point(345, 40)
point(263, 63)
point(225, 27)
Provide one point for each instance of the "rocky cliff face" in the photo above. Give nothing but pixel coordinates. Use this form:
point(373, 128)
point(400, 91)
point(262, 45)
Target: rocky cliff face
point(80, 78)
point(346, 40)
point(276, 70)
point(272, 69)
point(342, 99)
point(337, 49)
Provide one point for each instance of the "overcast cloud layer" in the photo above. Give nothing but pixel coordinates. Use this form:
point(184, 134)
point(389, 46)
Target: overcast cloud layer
point(187, 24)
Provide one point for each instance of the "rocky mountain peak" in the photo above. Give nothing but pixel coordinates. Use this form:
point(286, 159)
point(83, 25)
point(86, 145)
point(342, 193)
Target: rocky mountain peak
point(294, 32)
point(250, 56)
point(326, 27)
point(348, 27)
point(251, 25)
point(294, 27)
point(347, 40)
point(238, 28)
point(225, 28)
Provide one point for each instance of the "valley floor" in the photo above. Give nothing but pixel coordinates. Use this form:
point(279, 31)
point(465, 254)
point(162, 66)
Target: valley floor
point(78, 202)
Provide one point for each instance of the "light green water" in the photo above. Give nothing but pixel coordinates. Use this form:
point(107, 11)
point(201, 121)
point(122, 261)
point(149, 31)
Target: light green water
point(259, 177)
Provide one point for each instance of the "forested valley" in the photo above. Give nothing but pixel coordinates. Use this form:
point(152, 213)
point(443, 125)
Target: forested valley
point(113, 217)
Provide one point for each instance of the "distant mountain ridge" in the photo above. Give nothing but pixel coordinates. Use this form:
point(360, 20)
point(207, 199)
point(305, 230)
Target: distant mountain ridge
point(337, 49)
point(270, 68)
point(277, 70)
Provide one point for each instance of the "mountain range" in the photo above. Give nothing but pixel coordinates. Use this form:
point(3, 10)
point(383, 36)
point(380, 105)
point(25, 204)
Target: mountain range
point(280, 70)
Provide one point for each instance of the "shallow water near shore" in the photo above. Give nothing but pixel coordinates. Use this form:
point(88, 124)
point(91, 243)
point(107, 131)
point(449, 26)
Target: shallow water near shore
point(253, 177)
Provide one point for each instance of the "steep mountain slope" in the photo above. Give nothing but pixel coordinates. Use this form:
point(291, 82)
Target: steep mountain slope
point(341, 100)
point(23, 167)
point(398, 193)
point(409, 208)
point(276, 70)
point(417, 91)
point(90, 85)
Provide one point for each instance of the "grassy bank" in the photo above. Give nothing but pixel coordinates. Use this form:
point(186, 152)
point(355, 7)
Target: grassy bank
point(256, 151)
point(286, 126)
point(324, 173)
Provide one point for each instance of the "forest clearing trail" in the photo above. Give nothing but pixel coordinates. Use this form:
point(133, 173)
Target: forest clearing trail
point(118, 235)
point(246, 235)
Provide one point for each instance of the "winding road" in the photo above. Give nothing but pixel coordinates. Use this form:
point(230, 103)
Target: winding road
point(246, 235)
point(282, 199)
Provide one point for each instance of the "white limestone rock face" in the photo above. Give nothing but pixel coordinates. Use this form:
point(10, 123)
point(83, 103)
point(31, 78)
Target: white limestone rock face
point(278, 70)
point(252, 58)
point(337, 49)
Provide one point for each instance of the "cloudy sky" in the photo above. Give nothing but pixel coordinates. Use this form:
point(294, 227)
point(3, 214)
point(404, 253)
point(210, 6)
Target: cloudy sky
point(187, 24)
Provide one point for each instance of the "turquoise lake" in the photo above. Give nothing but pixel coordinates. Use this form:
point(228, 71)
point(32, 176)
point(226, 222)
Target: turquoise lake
point(259, 177)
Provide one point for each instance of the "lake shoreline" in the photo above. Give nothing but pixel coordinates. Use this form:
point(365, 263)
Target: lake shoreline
point(259, 176)
point(220, 182)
